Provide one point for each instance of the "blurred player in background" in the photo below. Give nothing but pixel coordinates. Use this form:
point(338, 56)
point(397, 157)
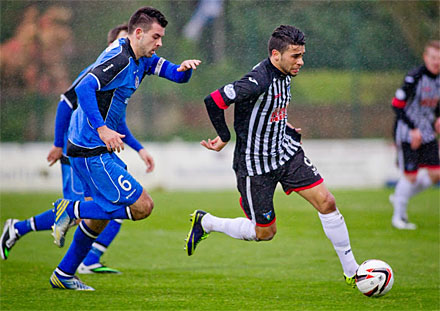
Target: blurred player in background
point(97, 130)
point(416, 105)
point(72, 188)
point(267, 152)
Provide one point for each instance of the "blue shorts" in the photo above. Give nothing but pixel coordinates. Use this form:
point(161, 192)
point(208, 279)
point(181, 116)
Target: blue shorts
point(106, 179)
point(72, 187)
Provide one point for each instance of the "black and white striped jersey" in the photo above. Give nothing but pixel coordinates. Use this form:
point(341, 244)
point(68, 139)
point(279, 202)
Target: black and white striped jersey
point(264, 142)
point(416, 105)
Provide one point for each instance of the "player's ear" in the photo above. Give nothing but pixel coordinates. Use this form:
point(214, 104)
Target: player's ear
point(276, 55)
point(138, 32)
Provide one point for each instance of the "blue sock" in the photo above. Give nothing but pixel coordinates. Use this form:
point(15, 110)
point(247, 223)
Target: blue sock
point(23, 226)
point(41, 222)
point(44, 221)
point(91, 210)
point(81, 244)
point(102, 242)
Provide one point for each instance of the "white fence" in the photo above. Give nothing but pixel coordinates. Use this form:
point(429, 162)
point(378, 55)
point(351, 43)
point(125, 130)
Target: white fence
point(188, 166)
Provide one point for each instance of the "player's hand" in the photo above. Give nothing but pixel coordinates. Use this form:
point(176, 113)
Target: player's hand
point(416, 138)
point(437, 126)
point(297, 129)
point(112, 139)
point(216, 144)
point(148, 159)
point(189, 64)
point(54, 155)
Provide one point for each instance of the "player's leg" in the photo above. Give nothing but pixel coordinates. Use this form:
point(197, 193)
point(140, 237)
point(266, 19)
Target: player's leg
point(302, 177)
point(14, 229)
point(116, 195)
point(412, 180)
point(92, 262)
point(259, 223)
point(86, 233)
point(113, 189)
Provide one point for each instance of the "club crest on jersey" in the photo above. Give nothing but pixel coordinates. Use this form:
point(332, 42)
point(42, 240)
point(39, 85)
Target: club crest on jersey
point(268, 215)
point(229, 91)
point(136, 82)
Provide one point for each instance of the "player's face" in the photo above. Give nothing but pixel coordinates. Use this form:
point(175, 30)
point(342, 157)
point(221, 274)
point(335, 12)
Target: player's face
point(149, 41)
point(432, 60)
point(291, 60)
point(122, 34)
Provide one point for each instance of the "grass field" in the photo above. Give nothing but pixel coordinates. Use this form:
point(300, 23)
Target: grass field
point(298, 270)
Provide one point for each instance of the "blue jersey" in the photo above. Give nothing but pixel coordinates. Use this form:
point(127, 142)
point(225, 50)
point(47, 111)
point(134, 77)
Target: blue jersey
point(104, 92)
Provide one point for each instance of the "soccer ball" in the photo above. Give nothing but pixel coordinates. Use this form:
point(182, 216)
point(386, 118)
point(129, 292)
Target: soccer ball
point(374, 278)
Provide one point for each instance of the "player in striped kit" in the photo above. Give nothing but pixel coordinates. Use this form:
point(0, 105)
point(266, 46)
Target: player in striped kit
point(416, 105)
point(267, 152)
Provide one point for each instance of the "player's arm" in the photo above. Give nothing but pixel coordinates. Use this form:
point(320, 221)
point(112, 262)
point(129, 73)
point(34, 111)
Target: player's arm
point(217, 102)
point(399, 103)
point(177, 73)
point(62, 120)
point(131, 141)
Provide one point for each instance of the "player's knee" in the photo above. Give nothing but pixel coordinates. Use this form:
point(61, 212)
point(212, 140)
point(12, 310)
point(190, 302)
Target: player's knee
point(266, 233)
point(411, 177)
point(328, 204)
point(143, 207)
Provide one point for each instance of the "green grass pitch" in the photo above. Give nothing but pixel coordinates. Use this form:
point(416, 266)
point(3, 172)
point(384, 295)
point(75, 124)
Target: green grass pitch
point(298, 270)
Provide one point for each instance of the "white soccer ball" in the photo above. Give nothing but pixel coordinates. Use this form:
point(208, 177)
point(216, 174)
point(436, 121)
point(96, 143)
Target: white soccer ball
point(374, 278)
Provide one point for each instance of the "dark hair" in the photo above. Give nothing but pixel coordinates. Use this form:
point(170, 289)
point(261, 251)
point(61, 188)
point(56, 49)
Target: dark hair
point(114, 33)
point(433, 44)
point(144, 17)
point(283, 36)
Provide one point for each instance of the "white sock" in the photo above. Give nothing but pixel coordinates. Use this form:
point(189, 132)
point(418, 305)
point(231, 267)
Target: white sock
point(336, 231)
point(423, 182)
point(402, 193)
point(238, 228)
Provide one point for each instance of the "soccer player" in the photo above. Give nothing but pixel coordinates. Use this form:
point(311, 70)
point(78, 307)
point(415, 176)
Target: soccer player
point(416, 105)
point(72, 188)
point(95, 133)
point(267, 152)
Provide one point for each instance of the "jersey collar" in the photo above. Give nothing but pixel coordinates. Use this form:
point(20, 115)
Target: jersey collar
point(130, 50)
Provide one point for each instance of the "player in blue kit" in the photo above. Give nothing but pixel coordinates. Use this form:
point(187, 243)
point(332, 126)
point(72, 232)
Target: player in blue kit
point(72, 188)
point(96, 132)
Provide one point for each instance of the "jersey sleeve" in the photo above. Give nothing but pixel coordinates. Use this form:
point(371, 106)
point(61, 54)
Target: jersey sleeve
point(129, 139)
point(244, 90)
point(62, 121)
point(86, 93)
point(404, 93)
point(166, 69)
point(112, 65)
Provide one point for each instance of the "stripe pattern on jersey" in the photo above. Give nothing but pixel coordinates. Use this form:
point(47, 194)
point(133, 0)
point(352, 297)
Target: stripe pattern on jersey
point(268, 147)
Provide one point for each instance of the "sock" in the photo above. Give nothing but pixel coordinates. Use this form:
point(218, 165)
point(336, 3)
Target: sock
point(102, 242)
point(336, 231)
point(238, 228)
point(81, 244)
point(402, 193)
point(91, 210)
point(423, 182)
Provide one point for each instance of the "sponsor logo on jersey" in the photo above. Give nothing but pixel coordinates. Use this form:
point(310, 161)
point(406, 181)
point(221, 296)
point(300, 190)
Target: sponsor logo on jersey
point(108, 68)
point(268, 215)
point(229, 91)
point(253, 80)
point(278, 115)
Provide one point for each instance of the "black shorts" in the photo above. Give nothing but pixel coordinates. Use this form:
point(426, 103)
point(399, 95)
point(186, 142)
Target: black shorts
point(426, 156)
point(257, 191)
